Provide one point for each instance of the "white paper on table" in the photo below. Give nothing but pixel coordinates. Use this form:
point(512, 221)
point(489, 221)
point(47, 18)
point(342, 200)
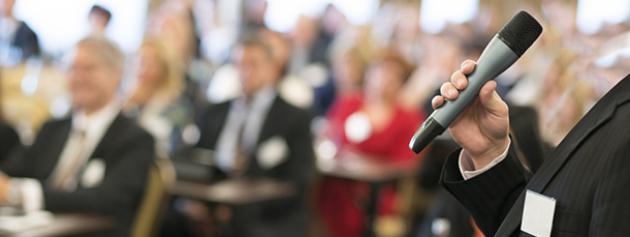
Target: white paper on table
point(18, 223)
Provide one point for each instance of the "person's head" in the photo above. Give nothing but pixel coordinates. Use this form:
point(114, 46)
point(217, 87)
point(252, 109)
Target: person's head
point(99, 18)
point(386, 76)
point(304, 32)
point(279, 45)
point(348, 69)
point(173, 24)
point(6, 7)
point(256, 65)
point(94, 73)
point(154, 71)
point(333, 20)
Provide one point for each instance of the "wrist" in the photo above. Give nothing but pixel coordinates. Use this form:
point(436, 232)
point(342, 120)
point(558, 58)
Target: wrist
point(483, 159)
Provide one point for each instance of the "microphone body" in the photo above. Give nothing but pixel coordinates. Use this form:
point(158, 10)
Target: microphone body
point(498, 56)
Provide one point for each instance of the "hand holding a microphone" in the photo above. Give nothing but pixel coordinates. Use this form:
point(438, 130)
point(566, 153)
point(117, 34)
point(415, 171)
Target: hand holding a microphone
point(469, 105)
point(482, 128)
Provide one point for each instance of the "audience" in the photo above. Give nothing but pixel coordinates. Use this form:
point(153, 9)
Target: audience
point(17, 41)
point(372, 123)
point(260, 135)
point(156, 97)
point(94, 161)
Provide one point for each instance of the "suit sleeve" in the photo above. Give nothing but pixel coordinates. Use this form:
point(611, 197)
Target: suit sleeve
point(122, 187)
point(20, 163)
point(490, 195)
point(9, 143)
point(300, 142)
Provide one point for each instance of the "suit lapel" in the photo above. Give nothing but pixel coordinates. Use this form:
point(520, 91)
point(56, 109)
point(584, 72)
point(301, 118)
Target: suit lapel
point(110, 137)
point(594, 119)
point(270, 123)
point(269, 128)
point(58, 142)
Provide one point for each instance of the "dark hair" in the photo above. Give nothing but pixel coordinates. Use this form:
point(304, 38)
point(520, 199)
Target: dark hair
point(98, 9)
point(392, 55)
point(255, 40)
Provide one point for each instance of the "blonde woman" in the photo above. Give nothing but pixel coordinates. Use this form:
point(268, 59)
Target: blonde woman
point(154, 98)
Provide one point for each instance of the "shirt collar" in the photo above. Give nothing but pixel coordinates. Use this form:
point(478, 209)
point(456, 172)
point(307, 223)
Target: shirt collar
point(98, 121)
point(260, 100)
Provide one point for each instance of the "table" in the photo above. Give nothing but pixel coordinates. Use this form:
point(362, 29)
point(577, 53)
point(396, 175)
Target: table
point(234, 191)
point(65, 224)
point(367, 169)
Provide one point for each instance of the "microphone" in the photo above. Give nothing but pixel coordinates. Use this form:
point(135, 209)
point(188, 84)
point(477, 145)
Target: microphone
point(504, 49)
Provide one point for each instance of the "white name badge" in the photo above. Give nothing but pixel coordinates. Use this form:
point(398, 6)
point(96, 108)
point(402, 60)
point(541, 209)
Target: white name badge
point(538, 214)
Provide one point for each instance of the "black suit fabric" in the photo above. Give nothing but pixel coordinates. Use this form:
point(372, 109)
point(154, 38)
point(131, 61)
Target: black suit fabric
point(127, 152)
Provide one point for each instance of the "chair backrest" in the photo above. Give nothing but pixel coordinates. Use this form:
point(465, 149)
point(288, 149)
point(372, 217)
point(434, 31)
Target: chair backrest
point(161, 177)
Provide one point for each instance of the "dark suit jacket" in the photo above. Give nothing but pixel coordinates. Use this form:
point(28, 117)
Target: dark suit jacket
point(26, 40)
point(283, 217)
point(9, 141)
point(524, 124)
point(587, 174)
point(127, 152)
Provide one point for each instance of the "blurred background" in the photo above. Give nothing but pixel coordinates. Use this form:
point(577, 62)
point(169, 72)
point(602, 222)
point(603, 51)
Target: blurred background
point(339, 60)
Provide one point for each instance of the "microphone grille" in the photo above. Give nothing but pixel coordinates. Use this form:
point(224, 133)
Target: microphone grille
point(520, 32)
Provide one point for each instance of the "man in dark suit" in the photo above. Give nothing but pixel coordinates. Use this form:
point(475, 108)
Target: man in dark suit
point(16, 36)
point(260, 135)
point(578, 191)
point(95, 161)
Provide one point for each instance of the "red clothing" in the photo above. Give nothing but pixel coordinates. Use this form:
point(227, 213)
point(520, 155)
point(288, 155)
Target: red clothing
point(342, 202)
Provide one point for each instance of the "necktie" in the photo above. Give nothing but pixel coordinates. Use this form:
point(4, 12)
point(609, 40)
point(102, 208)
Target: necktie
point(241, 152)
point(66, 174)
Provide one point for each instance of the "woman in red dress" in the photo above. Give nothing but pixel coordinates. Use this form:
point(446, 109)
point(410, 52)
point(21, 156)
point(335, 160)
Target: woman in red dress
point(375, 124)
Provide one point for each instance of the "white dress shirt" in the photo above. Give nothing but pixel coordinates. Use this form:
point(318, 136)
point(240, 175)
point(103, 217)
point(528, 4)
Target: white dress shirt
point(28, 192)
point(468, 170)
point(248, 116)
point(152, 120)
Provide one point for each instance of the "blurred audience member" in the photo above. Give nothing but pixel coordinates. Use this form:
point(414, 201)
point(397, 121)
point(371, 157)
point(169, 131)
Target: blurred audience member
point(375, 124)
point(297, 89)
point(174, 25)
point(99, 18)
point(17, 41)
point(156, 97)
point(346, 80)
point(563, 101)
point(95, 161)
point(260, 135)
point(9, 139)
point(310, 44)
point(440, 58)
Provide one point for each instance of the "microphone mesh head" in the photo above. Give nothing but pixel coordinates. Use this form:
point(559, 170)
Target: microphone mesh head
point(520, 32)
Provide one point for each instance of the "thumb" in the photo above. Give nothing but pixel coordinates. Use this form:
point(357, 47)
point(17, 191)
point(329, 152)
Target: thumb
point(491, 100)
